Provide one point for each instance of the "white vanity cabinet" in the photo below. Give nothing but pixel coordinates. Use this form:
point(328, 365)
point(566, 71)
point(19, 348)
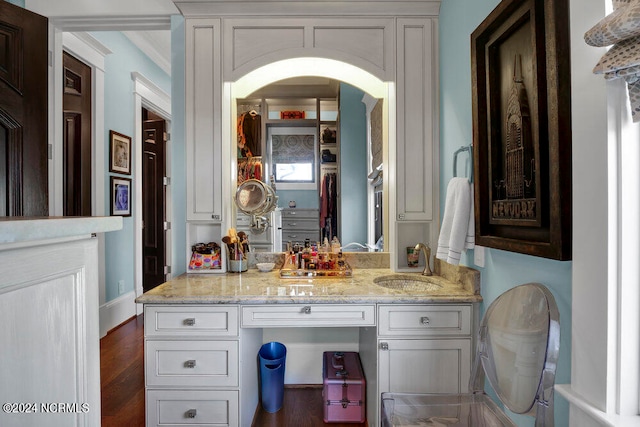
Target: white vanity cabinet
point(195, 365)
point(420, 349)
point(203, 120)
point(200, 360)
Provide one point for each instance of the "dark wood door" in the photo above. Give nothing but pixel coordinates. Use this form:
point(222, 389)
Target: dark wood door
point(76, 106)
point(23, 112)
point(153, 202)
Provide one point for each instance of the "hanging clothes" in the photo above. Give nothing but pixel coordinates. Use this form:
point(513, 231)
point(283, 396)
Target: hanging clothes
point(249, 168)
point(250, 133)
point(328, 206)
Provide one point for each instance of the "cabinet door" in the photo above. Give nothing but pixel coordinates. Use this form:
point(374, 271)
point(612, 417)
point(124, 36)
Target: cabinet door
point(417, 120)
point(424, 366)
point(203, 117)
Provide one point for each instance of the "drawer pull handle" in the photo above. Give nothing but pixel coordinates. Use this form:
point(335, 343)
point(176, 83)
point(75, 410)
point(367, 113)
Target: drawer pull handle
point(190, 321)
point(191, 413)
point(424, 320)
point(190, 364)
point(384, 346)
point(306, 309)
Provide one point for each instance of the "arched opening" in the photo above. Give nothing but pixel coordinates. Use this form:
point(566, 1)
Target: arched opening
point(357, 77)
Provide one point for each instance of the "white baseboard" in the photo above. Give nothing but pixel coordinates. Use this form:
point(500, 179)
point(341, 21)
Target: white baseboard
point(117, 311)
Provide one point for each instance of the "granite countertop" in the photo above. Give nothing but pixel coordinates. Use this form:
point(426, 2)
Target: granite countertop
point(254, 287)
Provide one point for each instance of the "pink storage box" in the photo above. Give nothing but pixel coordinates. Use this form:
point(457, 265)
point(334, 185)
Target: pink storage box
point(344, 387)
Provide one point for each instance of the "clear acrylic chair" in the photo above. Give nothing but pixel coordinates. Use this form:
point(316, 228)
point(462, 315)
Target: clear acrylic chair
point(517, 348)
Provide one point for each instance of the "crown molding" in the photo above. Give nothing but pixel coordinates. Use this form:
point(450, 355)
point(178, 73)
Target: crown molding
point(111, 23)
point(196, 8)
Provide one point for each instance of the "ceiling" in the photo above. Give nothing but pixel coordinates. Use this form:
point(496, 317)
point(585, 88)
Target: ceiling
point(156, 44)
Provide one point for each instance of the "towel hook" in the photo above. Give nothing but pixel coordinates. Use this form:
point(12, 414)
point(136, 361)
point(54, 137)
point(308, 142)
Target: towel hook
point(462, 149)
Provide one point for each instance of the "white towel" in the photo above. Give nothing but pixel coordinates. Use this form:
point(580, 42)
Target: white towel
point(470, 241)
point(457, 231)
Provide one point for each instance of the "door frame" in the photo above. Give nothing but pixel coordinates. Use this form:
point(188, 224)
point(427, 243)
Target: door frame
point(87, 49)
point(148, 95)
point(70, 34)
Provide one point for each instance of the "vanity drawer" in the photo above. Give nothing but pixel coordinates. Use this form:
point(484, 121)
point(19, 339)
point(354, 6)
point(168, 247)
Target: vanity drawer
point(300, 224)
point(295, 315)
point(424, 320)
point(288, 214)
point(161, 320)
point(191, 363)
point(299, 236)
point(191, 407)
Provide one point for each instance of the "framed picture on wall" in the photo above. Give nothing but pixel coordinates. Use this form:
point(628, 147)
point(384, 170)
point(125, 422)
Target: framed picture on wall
point(119, 153)
point(120, 196)
point(521, 98)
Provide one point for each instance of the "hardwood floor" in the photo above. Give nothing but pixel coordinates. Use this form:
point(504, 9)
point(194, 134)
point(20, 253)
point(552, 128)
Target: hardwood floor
point(122, 385)
point(122, 375)
point(301, 407)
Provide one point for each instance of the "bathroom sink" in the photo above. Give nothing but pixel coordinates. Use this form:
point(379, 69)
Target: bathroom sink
point(409, 283)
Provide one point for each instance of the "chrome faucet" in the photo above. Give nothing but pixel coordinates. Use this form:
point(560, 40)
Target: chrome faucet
point(426, 250)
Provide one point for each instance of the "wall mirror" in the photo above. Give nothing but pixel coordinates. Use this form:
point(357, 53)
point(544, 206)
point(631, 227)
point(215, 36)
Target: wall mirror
point(311, 138)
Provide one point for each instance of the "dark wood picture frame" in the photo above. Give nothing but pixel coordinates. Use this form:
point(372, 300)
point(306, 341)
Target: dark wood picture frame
point(119, 153)
point(521, 98)
point(120, 190)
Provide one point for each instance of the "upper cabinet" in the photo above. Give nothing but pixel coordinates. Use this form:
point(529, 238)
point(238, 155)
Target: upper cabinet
point(253, 42)
point(203, 119)
point(388, 50)
point(417, 132)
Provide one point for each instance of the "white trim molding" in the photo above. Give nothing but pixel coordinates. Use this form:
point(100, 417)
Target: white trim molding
point(308, 8)
point(116, 312)
point(148, 95)
point(90, 51)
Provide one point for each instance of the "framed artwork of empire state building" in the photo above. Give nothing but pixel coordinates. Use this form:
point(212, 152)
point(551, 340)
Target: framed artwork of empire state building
point(522, 128)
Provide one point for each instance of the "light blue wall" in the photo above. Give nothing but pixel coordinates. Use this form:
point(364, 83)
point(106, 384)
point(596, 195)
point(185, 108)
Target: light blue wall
point(178, 156)
point(353, 165)
point(307, 199)
point(119, 116)
point(503, 270)
point(17, 2)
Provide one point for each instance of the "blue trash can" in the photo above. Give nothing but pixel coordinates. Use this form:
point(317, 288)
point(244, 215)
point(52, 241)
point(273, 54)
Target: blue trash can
point(272, 357)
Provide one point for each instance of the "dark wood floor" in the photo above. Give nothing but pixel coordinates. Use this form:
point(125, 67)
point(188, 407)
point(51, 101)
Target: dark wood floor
point(122, 381)
point(301, 407)
point(122, 375)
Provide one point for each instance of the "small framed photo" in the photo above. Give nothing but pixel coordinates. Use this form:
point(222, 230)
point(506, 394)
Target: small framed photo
point(120, 196)
point(119, 153)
